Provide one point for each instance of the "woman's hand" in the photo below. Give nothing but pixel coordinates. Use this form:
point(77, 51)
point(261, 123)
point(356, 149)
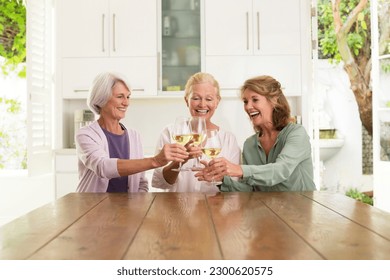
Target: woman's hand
point(193, 150)
point(171, 152)
point(217, 169)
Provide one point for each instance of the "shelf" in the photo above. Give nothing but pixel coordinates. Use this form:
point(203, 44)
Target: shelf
point(182, 37)
point(185, 11)
point(181, 66)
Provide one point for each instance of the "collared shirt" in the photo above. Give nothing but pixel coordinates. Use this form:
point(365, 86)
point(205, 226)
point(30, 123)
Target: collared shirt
point(288, 166)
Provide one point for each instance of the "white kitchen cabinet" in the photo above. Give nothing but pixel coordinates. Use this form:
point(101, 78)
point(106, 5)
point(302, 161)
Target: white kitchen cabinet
point(78, 74)
point(247, 27)
point(257, 37)
point(261, 37)
point(180, 42)
point(106, 35)
point(94, 36)
point(232, 71)
point(101, 28)
point(66, 174)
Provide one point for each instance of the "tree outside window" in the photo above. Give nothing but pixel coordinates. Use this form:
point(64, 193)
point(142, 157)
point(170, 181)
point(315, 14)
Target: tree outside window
point(13, 85)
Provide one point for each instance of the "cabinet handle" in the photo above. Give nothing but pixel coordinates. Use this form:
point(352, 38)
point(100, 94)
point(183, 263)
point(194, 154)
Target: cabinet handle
point(103, 50)
point(113, 32)
point(158, 71)
point(247, 30)
point(258, 30)
point(80, 90)
point(138, 89)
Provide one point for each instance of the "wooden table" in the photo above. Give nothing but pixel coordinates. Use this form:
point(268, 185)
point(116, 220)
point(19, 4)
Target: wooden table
point(147, 226)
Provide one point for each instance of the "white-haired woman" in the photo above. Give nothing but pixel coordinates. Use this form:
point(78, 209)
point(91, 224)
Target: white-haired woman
point(110, 156)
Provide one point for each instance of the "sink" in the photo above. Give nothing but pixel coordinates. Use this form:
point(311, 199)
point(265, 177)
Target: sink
point(330, 147)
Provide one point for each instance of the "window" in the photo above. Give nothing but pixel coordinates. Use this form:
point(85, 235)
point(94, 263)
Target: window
point(39, 86)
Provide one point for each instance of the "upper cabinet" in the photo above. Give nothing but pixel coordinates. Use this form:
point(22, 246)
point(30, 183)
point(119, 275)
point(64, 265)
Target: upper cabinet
point(106, 35)
point(94, 36)
point(255, 37)
point(180, 42)
point(247, 27)
point(101, 28)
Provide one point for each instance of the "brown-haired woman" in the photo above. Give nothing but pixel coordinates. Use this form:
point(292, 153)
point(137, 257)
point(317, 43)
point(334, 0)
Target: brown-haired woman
point(278, 156)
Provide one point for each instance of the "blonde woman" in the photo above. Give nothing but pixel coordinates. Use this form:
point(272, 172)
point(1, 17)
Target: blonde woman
point(202, 96)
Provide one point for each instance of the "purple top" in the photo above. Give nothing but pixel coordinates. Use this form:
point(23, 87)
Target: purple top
point(95, 165)
point(119, 147)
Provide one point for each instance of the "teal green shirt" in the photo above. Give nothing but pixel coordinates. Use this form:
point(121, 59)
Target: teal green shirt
point(288, 167)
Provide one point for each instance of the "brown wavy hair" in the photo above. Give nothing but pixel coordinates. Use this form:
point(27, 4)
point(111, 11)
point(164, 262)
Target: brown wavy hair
point(271, 89)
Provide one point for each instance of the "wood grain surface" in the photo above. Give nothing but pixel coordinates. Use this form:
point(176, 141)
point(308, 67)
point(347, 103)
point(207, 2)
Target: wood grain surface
point(199, 226)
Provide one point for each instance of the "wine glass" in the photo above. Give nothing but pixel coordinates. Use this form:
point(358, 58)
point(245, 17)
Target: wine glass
point(181, 133)
point(211, 146)
point(198, 126)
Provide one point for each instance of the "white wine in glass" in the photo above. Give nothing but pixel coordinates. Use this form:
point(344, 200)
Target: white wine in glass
point(182, 139)
point(198, 127)
point(211, 152)
point(211, 146)
point(181, 133)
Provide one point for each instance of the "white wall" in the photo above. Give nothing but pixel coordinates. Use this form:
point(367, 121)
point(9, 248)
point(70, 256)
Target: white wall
point(150, 116)
point(344, 170)
point(21, 194)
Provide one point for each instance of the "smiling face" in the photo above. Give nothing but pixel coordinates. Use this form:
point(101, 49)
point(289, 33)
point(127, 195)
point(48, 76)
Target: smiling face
point(203, 101)
point(258, 108)
point(115, 108)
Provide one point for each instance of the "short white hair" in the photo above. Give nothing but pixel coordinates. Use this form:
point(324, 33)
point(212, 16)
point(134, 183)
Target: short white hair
point(101, 89)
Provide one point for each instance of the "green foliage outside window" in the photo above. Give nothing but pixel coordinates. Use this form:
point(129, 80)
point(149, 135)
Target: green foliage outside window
point(12, 141)
point(12, 61)
point(13, 36)
point(359, 35)
point(356, 38)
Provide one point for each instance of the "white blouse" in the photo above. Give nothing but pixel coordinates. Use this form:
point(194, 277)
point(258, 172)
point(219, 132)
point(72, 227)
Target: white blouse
point(186, 181)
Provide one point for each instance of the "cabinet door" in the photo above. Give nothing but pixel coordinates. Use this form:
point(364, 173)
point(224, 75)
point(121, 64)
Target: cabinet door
point(248, 27)
point(66, 174)
point(133, 28)
point(276, 27)
point(228, 27)
point(66, 183)
point(180, 42)
point(231, 72)
point(78, 74)
point(82, 28)
point(100, 28)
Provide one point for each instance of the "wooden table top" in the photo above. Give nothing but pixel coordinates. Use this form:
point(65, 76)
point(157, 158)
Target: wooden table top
point(147, 226)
